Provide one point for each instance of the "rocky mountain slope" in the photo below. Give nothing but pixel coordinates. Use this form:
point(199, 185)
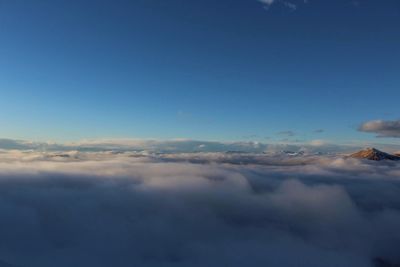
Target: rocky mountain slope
point(374, 154)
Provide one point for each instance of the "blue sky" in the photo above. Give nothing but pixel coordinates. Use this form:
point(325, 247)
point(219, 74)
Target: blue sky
point(210, 70)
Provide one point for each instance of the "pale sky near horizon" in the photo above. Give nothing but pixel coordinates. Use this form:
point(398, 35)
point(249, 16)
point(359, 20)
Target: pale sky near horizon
point(208, 70)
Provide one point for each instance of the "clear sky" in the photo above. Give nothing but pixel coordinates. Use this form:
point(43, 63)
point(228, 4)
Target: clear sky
point(210, 69)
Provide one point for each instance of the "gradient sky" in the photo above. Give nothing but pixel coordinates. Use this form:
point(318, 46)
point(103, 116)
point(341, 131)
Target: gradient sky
point(210, 69)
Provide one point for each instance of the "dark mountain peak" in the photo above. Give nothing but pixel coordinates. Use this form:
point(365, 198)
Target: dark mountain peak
point(374, 154)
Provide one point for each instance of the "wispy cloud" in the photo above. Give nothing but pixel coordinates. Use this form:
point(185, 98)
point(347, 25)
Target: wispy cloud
point(267, 2)
point(289, 4)
point(356, 3)
point(382, 128)
point(287, 133)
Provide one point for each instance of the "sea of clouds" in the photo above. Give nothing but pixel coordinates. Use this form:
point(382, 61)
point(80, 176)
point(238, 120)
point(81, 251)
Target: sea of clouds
point(108, 208)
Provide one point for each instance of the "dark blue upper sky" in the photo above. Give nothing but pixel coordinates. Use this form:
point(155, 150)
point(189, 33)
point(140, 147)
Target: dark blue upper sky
point(210, 69)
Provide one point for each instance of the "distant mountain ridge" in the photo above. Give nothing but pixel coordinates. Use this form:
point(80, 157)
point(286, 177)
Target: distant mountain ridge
point(374, 154)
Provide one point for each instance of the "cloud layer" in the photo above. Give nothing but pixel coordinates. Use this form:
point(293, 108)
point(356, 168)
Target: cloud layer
point(382, 128)
point(197, 209)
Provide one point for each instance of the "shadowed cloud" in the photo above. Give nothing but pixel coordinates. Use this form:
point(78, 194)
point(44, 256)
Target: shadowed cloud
point(382, 128)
